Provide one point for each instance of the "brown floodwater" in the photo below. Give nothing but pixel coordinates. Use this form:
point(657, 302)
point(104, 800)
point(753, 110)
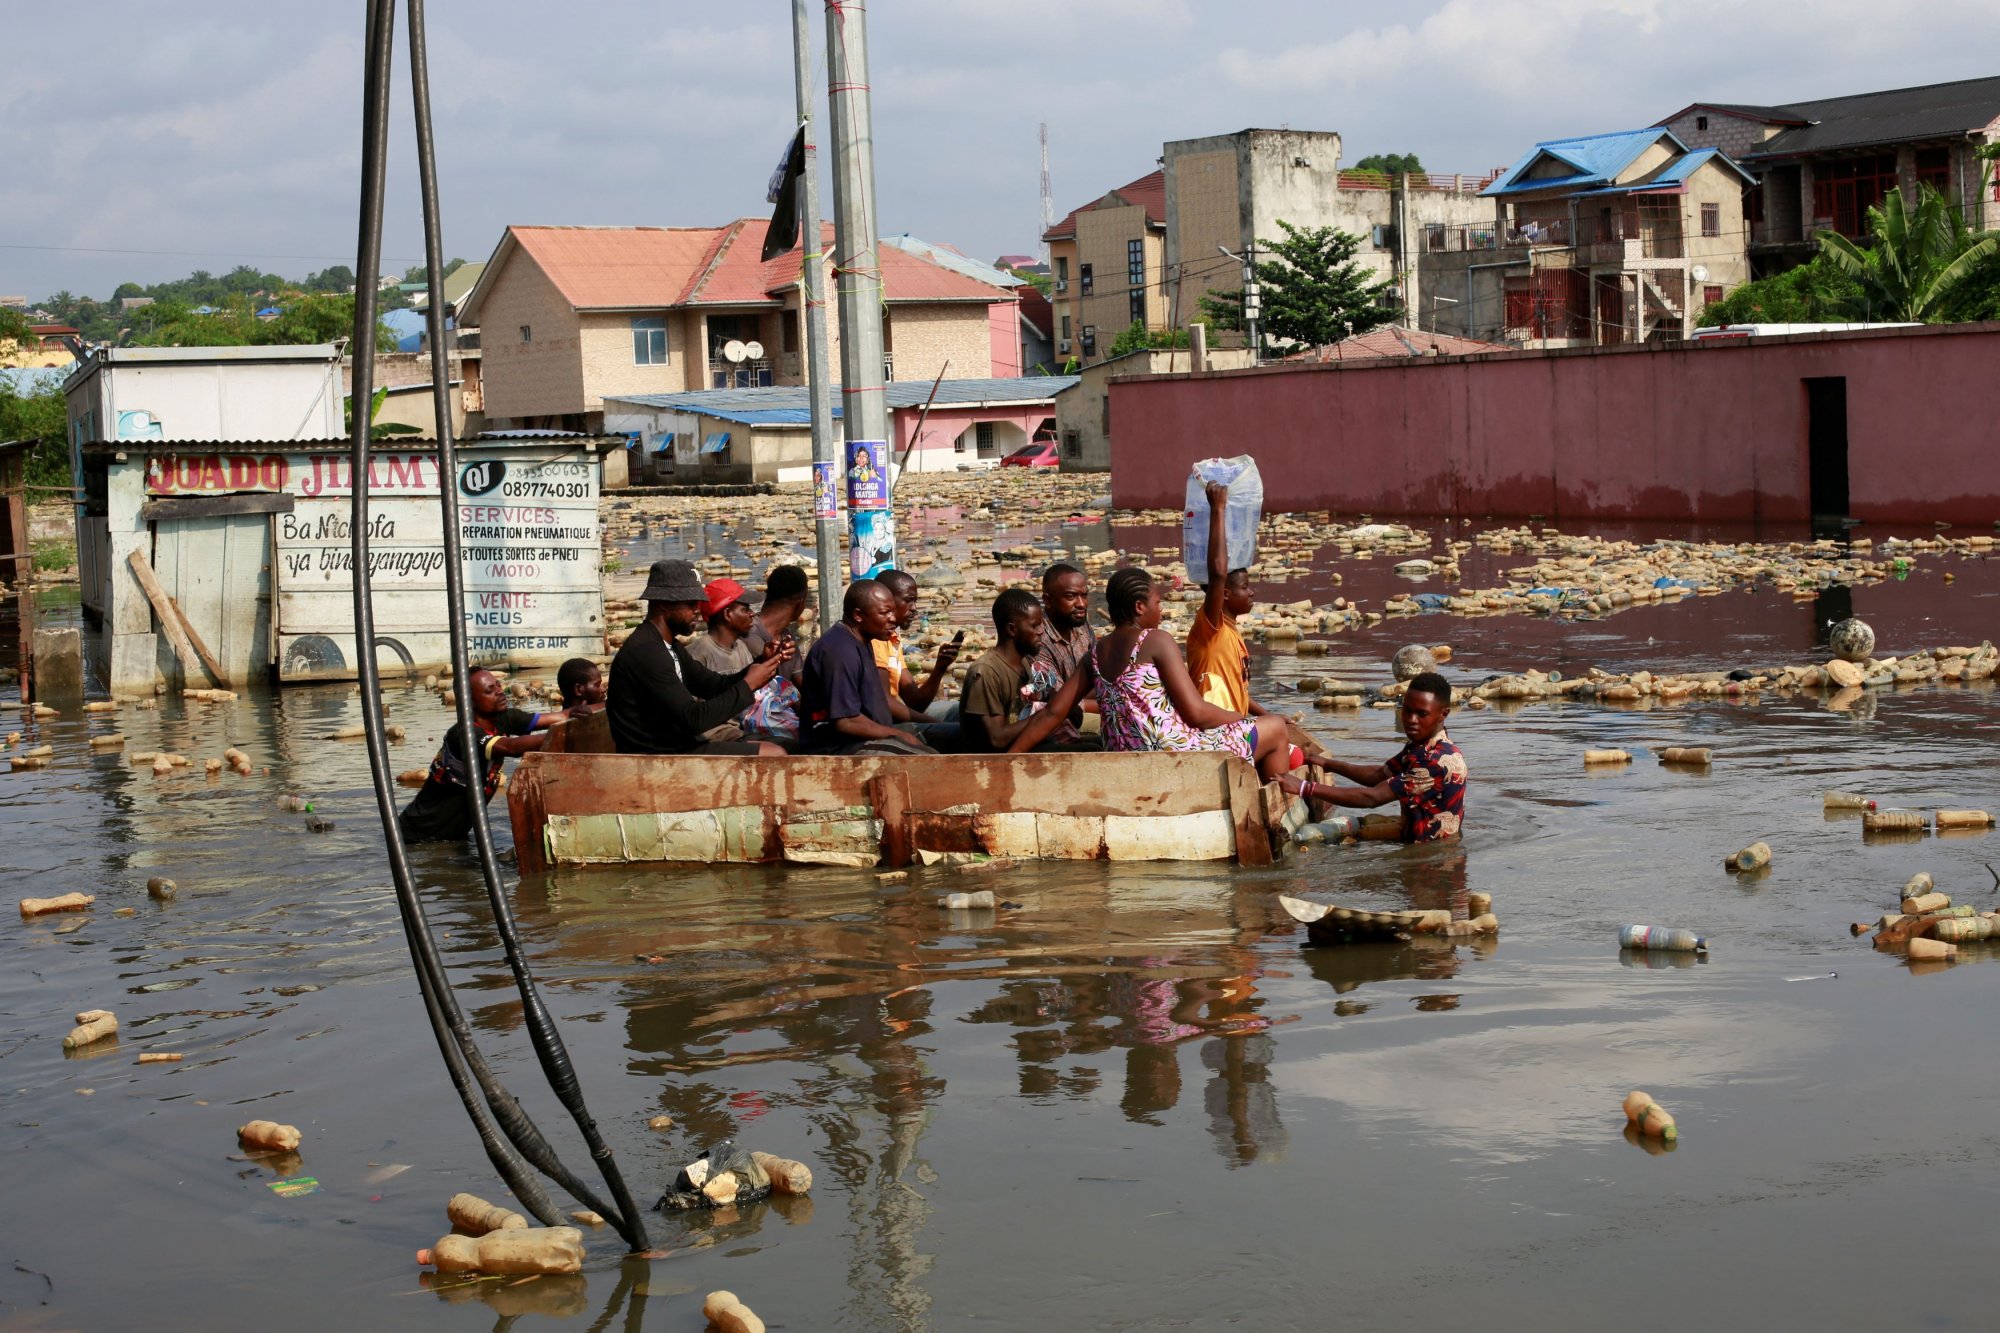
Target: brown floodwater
point(1135, 1101)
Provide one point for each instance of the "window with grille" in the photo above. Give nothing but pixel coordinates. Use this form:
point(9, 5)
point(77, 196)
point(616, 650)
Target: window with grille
point(1711, 219)
point(983, 434)
point(1135, 304)
point(1065, 328)
point(1934, 168)
point(958, 445)
point(1710, 295)
point(527, 334)
point(1135, 263)
point(1090, 340)
point(1072, 444)
point(1083, 277)
point(649, 340)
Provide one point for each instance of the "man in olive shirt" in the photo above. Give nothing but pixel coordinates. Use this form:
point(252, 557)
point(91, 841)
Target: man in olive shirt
point(989, 711)
point(662, 700)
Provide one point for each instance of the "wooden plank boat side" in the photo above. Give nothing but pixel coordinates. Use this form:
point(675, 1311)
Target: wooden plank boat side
point(563, 783)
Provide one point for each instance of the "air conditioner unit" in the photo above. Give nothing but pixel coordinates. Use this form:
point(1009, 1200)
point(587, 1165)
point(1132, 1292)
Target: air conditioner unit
point(1062, 284)
point(1063, 347)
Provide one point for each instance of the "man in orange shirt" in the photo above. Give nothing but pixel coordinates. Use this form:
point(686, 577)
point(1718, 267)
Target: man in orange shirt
point(1217, 657)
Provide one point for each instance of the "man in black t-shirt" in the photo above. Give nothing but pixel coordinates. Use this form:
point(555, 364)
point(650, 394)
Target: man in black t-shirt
point(662, 700)
point(440, 813)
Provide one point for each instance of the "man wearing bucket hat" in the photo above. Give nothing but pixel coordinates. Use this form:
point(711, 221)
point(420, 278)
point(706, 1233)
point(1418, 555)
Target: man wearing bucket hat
point(663, 700)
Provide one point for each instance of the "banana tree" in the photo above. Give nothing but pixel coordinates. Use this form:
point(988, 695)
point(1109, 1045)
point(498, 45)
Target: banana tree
point(1916, 258)
point(378, 429)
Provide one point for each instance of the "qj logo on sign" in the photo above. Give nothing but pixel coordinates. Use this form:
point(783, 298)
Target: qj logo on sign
point(482, 478)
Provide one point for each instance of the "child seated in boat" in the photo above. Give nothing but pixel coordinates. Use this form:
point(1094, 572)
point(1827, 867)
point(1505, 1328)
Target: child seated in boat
point(582, 684)
point(1426, 777)
point(440, 812)
point(1145, 695)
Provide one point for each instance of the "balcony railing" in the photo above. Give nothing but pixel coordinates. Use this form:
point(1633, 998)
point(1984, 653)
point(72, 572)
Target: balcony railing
point(1432, 181)
point(1442, 239)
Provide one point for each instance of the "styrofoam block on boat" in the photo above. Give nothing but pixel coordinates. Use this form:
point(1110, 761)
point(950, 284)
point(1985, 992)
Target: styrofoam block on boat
point(1205, 835)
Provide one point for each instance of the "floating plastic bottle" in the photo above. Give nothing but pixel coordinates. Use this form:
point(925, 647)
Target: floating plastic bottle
point(966, 901)
point(1926, 902)
point(1754, 857)
point(525, 1251)
point(1884, 821)
point(289, 802)
point(269, 1136)
point(1926, 950)
point(1847, 800)
point(1964, 819)
point(727, 1314)
point(1649, 1117)
point(92, 1025)
point(1966, 930)
point(1699, 756)
point(1659, 937)
point(476, 1217)
point(1607, 757)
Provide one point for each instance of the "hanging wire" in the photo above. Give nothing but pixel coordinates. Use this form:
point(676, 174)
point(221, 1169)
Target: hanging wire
point(462, 1056)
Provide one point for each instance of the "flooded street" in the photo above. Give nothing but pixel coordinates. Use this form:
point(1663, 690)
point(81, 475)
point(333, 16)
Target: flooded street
point(1136, 1101)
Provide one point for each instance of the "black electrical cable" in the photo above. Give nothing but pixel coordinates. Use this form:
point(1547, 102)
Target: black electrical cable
point(440, 1002)
point(512, 1169)
point(542, 1033)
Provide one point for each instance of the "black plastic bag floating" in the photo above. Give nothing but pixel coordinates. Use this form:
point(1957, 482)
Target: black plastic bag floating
point(722, 1176)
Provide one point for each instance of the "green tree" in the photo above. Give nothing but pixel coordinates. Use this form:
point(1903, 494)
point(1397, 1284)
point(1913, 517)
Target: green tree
point(1391, 164)
point(1916, 260)
point(377, 430)
point(1813, 293)
point(1314, 293)
point(1044, 283)
point(42, 416)
point(15, 327)
point(1223, 310)
point(1136, 337)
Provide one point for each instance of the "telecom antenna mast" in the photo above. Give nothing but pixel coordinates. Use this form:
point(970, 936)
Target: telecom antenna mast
point(1048, 194)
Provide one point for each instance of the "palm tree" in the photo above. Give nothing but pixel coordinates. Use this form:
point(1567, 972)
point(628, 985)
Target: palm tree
point(1916, 258)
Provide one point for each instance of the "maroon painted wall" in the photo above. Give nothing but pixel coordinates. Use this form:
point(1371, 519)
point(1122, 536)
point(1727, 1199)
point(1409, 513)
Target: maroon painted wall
point(1677, 431)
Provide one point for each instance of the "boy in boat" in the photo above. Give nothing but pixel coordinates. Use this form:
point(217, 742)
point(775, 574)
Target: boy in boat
point(787, 602)
point(1426, 777)
point(582, 686)
point(662, 699)
point(996, 684)
point(440, 812)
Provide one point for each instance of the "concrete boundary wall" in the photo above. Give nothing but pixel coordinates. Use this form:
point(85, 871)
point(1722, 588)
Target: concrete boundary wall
point(1714, 431)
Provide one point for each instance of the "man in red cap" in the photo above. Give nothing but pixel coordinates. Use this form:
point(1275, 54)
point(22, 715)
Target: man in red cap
point(663, 701)
point(727, 611)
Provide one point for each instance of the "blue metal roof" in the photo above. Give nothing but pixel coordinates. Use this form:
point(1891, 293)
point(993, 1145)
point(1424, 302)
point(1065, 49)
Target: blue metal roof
point(788, 404)
point(1676, 173)
point(1598, 158)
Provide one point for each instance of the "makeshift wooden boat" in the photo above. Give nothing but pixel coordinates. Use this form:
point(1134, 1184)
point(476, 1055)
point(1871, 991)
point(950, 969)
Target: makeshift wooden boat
point(576, 804)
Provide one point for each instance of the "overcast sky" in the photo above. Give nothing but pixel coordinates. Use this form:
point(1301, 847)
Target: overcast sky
point(224, 131)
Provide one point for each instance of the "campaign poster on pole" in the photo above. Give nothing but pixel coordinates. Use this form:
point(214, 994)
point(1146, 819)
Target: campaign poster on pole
point(867, 475)
point(826, 490)
point(874, 543)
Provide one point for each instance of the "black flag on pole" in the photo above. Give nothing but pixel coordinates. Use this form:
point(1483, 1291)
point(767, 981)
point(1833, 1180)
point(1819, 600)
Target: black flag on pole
point(783, 232)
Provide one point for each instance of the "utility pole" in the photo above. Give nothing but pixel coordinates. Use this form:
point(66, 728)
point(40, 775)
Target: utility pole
point(812, 304)
point(864, 409)
point(1253, 299)
point(1048, 195)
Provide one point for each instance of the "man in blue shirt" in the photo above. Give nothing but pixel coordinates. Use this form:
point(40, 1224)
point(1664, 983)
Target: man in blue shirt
point(843, 703)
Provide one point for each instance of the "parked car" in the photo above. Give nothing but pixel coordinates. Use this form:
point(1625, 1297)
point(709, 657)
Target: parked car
point(1039, 453)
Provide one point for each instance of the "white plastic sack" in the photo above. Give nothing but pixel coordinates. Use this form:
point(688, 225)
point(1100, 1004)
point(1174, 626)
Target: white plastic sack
point(1245, 509)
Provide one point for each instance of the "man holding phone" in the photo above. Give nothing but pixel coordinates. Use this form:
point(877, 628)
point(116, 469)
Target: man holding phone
point(909, 700)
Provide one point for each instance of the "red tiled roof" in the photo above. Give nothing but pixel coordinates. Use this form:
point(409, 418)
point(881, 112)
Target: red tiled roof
point(1148, 192)
point(620, 268)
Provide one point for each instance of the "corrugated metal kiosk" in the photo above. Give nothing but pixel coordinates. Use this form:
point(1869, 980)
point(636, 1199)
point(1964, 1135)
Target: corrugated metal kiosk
point(231, 558)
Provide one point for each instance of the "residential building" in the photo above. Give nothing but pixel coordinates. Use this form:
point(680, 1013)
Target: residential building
point(1594, 241)
point(1230, 191)
point(1821, 165)
point(46, 345)
point(1394, 341)
point(1006, 355)
point(458, 284)
point(1083, 410)
point(1038, 333)
point(1109, 263)
point(571, 315)
point(765, 434)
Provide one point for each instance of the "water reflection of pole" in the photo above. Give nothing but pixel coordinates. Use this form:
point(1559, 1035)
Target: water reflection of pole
point(812, 303)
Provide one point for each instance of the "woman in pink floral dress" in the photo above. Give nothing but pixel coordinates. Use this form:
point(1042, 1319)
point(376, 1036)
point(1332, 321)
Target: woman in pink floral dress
point(1147, 699)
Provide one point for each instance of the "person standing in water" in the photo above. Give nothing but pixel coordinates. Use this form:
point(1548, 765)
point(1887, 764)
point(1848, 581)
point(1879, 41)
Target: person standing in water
point(1426, 777)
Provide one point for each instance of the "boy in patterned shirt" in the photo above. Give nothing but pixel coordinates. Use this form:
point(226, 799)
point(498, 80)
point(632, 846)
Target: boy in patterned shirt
point(1426, 777)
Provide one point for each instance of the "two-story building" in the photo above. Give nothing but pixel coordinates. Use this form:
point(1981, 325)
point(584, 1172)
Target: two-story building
point(570, 315)
point(1595, 241)
point(1108, 258)
point(1821, 165)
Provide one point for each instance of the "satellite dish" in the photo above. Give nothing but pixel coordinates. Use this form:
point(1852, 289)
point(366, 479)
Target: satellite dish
point(733, 350)
point(754, 350)
point(1699, 273)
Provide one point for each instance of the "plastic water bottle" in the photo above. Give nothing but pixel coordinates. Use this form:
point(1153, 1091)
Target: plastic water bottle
point(1659, 937)
point(1246, 507)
